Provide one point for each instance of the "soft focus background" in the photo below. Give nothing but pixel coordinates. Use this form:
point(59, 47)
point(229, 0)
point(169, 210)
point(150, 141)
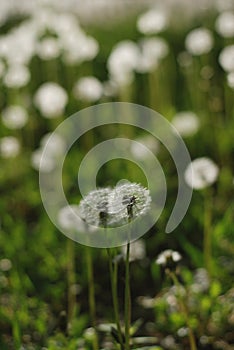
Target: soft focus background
point(57, 57)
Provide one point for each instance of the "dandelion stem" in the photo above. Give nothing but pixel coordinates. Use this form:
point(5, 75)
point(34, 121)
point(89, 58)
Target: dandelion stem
point(92, 304)
point(207, 243)
point(114, 289)
point(184, 310)
point(70, 281)
point(127, 300)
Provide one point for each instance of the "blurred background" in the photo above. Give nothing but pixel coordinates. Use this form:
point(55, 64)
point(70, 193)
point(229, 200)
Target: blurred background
point(58, 57)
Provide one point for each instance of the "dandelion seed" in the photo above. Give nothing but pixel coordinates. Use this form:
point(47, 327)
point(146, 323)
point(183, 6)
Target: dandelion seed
point(5, 264)
point(199, 41)
point(9, 147)
point(152, 22)
point(51, 100)
point(88, 88)
point(224, 24)
point(14, 117)
point(226, 58)
point(201, 172)
point(43, 162)
point(186, 123)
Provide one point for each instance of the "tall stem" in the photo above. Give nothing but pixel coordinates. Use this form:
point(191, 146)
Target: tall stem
point(127, 300)
point(70, 281)
point(92, 304)
point(207, 243)
point(114, 290)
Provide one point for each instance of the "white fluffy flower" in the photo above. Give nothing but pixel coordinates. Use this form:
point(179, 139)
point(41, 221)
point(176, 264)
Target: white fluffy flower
point(43, 162)
point(153, 50)
point(139, 149)
point(46, 161)
point(201, 172)
point(230, 80)
point(186, 123)
point(51, 100)
point(168, 256)
point(226, 58)
point(17, 76)
point(128, 201)
point(88, 88)
point(48, 48)
point(93, 208)
point(199, 41)
point(9, 147)
point(69, 220)
point(152, 22)
point(137, 250)
point(122, 62)
point(14, 117)
point(225, 24)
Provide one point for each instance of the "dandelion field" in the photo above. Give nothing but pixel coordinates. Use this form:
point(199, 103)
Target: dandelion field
point(164, 290)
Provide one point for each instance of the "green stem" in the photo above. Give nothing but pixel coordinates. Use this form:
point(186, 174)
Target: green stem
point(114, 288)
point(184, 310)
point(92, 304)
point(207, 243)
point(71, 299)
point(127, 300)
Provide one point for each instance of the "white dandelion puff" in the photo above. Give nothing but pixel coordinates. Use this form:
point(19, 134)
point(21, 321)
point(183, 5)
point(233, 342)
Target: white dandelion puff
point(226, 58)
point(152, 22)
point(167, 257)
point(9, 147)
point(51, 100)
point(137, 250)
point(199, 41)
point(16, 76)
point(186, 123)
point(224, 24)
point(88, 88)
point(201, 172)
point(128, 201)
point(14, 117)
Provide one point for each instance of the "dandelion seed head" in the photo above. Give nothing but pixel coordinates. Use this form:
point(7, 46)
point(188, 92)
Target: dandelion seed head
point(14, 117)
point(168, 256)
point(226, 58)
point(199, 41)
point(69, 219)
point(153, 50)
point(122, 62)
point(224, 24)
point(137, 250)
point(93, 208)
point(48, 48)
point(201, 172)
point(128, 196)
point(88, 88)
point(16, 76)
point(51, 100)
point(41, 161)
point(9, 147)
point(186, 123)
point(138, 149)
point(230, 80)
point(152, 22)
